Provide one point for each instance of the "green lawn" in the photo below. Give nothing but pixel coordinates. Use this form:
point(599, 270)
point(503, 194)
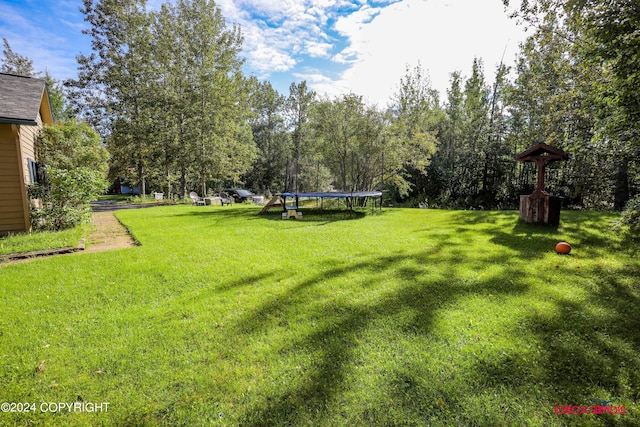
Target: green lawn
point(23, 242)
point(406, 317)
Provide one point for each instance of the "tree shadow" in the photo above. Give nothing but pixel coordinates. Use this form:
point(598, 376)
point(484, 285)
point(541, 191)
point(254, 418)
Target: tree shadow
point(581, 356)
point(342, 323)
point(324, 216)
point(589, 348)
point(311, 217)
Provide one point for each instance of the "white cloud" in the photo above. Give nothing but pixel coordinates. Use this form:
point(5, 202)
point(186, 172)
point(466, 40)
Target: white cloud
point(321, 83)
point(351, 25)
point(318, 49)
point(275, 32)
point(383, 37)
point(266, 59)
point(312, 76)
point(444, 35)
point(231, 11)
point(275, 9)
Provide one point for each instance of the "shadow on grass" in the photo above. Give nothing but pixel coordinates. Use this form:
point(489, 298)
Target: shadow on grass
point(315, 216)
point(588, 350)
point(528, 240)
point(504, 228)
point(584, 351)
point(321, 215)
point(317, 332)
point(341, 325)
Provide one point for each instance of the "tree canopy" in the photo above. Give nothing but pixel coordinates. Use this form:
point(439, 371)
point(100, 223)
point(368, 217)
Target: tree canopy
point(167, 92)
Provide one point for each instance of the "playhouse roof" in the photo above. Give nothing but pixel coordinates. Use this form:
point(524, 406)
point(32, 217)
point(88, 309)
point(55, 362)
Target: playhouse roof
point(542, 150)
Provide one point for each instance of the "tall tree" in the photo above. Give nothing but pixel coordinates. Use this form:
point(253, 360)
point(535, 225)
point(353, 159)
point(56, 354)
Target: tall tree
point(351, 139)
point(299, 105)
point(498, 159)
point(603, 40)
point(442, 173)
point(167, 90)
point(171, 108)
point(112, 89)
point(219, 107)
point(269, 133)
point(472, 158)
point(474, 135)
point(415, 115)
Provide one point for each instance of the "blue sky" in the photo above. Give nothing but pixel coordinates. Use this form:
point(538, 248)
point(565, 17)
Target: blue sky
point(337, 46)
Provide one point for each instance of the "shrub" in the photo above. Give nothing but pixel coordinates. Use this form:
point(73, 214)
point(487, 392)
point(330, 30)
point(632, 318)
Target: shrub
point(75, 166)
point(631, 214)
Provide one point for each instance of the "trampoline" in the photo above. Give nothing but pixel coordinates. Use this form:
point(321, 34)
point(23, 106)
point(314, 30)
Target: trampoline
point(347, 196)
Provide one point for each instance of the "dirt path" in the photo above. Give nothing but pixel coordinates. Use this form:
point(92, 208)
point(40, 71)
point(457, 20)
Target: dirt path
point(108, 234)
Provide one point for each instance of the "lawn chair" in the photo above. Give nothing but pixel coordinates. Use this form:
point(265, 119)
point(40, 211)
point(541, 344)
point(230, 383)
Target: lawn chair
point(225, 199)
point(196, 199)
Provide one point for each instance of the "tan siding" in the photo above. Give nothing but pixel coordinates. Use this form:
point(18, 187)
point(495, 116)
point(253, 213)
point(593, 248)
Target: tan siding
point(11, 203)
point(6, 229)
point(6, 174)
point(10, 183)
point(28, 135)
point(12, 220)
point(10, 208)
point(12, 215)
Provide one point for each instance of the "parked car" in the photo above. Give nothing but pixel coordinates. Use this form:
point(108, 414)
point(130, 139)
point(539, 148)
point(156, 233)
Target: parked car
point(239, 195)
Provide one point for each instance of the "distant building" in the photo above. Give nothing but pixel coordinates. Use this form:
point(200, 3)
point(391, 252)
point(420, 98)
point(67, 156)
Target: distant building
point(24, 109)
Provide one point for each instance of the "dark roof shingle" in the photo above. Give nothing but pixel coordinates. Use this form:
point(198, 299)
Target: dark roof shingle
point(20, 99)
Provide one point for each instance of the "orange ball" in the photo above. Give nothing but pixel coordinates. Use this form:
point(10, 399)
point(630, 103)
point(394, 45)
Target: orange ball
point(563, 248)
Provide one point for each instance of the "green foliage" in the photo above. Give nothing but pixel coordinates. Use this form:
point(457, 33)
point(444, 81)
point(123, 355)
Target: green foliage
point(299, 106)
point(351, 143)
point(414, 116)
point(473, 155)
point(631, 215)
point(70, 145)
point(585, 66)
point(57, 99)
point(269, 134)
point(566, 92)
point(166, 90)
point(75, 165)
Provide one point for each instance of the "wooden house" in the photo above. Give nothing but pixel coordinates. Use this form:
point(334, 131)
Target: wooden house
point(24, 109)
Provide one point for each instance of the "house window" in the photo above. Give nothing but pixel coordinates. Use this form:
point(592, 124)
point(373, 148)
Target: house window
point(33, 173)
point(36, 172)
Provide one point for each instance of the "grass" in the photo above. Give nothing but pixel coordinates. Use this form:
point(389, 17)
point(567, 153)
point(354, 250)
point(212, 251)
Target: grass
point(406, 317)
point(134, 199)
point(122, 198)
point(23, 242)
